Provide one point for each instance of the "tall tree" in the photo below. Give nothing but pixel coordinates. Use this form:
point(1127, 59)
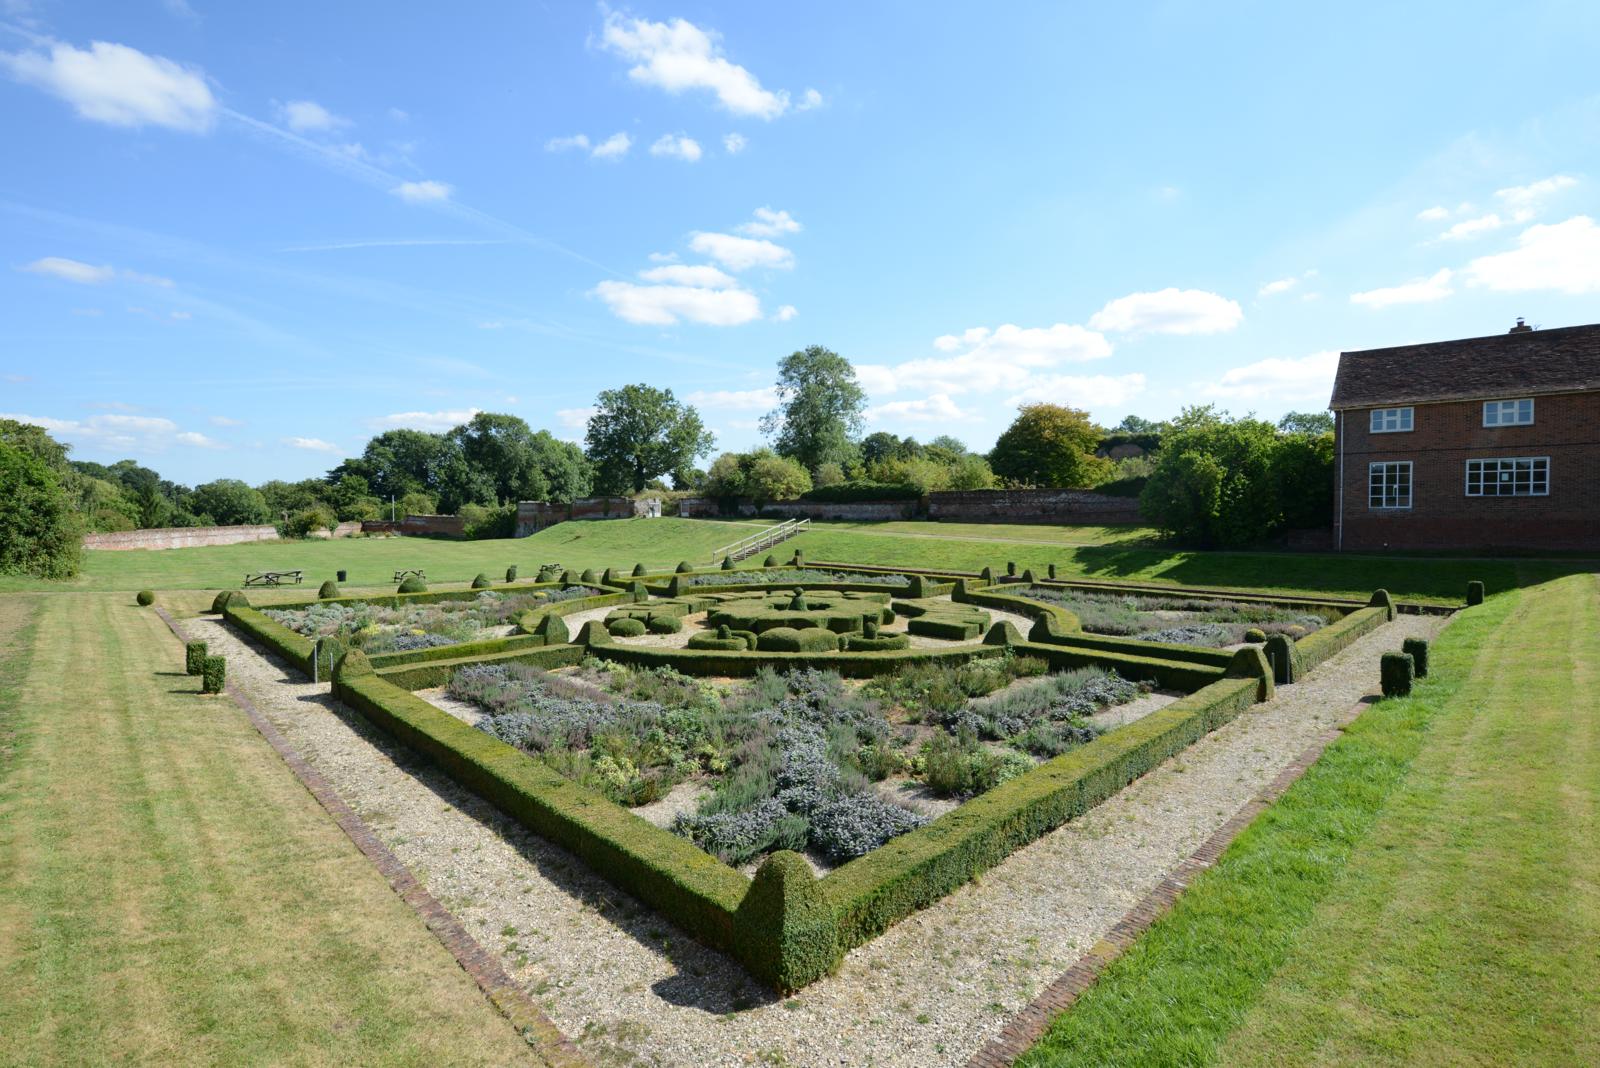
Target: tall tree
point(396, 462)
point(1306, 423)
point(230, 502)
point(502, 449)
point(1049, 445)
point(819, 408)
point(39, 532)
point(638, 433)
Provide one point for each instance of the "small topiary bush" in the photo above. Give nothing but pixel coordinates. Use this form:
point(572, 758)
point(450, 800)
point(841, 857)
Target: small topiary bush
point(213, 674)
point(638, 569)
point(770, 561)
point(481, 582)
point(413, 584)
point(789, 640)
point(727, 563)
point(548, 573)
point(1396, 672)
point(1381, 599)
point(987, 574)
point(588, 578)
point(220, 601)
point(1284, 656)
point(194, 657)
point(1418, 650)
point(1255, 635)
point(553, 629)
point(569, 577)
point(329, 588)
point(511, 573)
point(146, 598)
point(664, 624)
point(717, 642)
point(684, 567)
point(625, 627)
point(1051, 570)
point(1474, 593)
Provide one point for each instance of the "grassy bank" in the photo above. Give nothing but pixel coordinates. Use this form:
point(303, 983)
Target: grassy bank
point(169, 893)
point(1427, 894)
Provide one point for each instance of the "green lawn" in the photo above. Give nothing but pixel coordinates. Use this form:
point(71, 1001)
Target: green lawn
point(1441, 579)
point(170, 893)
point(1429, 893)
point(373, 561)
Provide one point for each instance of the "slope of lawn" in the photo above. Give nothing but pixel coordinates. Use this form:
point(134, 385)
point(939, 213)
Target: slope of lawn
point(170, 893)
point(1429, 892)
point(1440, 579)
point(373, 561)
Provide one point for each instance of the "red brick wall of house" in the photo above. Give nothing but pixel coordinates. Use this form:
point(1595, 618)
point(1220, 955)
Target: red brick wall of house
point(1566, 428)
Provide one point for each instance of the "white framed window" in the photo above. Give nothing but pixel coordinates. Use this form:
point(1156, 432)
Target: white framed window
point(1519, 476)
point(1389, 484)
point(1391, 420)
point(1508, 412)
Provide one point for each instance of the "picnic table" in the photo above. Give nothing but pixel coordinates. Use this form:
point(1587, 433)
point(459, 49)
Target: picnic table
point(414, 572)
point(273, 578)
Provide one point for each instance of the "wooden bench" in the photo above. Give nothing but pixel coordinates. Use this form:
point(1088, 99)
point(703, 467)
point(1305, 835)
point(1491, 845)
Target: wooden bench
point(415, 572)
point(274, 578)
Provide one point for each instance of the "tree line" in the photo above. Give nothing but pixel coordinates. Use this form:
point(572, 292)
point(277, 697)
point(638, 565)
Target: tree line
point(1204, 477)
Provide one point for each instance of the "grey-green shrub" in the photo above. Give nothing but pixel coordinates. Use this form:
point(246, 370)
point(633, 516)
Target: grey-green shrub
point(194, 657)
point(1418, 648)
point(146, 598)
point(1396, 672)
point(214, 674)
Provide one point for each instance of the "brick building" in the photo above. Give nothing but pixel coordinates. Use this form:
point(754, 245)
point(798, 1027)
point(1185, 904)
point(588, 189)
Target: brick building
point(1483, 443)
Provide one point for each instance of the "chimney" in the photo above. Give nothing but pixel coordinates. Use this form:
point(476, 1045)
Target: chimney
point(1520, 328)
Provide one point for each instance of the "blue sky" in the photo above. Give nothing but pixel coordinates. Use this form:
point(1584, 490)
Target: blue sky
point(237, 239)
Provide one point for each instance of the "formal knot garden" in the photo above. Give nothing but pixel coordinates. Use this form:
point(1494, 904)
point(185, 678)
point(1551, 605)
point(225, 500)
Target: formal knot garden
point(787, 759)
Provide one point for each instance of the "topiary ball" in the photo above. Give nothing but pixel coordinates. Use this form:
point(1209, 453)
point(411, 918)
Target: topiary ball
point(413, 584)
point(724, 631)
point(146, 598)
point(625, 627)
point(771, 561)
point(664, 624)
point(329, 588)
point(1255, 635)
point(481, 582)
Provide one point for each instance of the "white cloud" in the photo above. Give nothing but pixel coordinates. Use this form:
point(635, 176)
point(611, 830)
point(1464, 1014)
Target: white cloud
point(311, 444)
point(1467, 228)
point(735, 399)
point(808, 100)
point(785, 313)
point(1564, 257)
point(72, 270)
point(1282, 285)
point(422, 192)
point(223, 420)
point(676, 146)
point(1169, 311)
point(399, 115)
point(435, 421)
point(614, 147)
point(982, 360)
point(120, 431)
point(1095, 392)
point(561, 144)
point(936, 408)
point(1526, 196)
point(677, 56)
point(741, 253)
point(575, 418)
point(308, 116)
point(91, 274)
point(663, 257)
point(769, 223)
point(1434, 214)
point(734, 143)
point(663, 305)
point(702, 275)
point(118, 85)
point(1306, 378)
point(1416, 291)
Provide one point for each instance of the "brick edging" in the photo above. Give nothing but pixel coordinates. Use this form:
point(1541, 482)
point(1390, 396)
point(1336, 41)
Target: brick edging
point(484, 967)
point(1030, 1025)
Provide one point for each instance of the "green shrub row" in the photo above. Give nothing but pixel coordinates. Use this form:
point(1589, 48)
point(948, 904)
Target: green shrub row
point(1319, 645)
point(295, 648)
point(1140, 667)
point(433, 673)
point(804, 926)
point(698, 892)
point(797, 640)
point(949, 627)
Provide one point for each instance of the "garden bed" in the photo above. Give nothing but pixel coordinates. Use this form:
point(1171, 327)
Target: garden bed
point(1194, 621)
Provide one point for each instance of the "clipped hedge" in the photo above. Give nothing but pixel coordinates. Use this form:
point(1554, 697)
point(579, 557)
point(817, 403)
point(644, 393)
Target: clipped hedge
point(279, 639)
point(1149, 667)
point(1319, 645)
point(1284, 655)
point(1417, 649)
point(1474, 593)
point(194, 658)
point(625, 627)
point(664, 624)
point(855, 643)
point(1396, 672)
point(792, 640)
point(867, 896)
point(221, 601)
point(486, 647)
point(950, 628)
point(698, 892)
point(426, 675)
point(703, 663)
point(214, 675)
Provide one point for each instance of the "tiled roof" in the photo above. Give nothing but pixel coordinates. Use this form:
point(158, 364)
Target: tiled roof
point(1564, 360)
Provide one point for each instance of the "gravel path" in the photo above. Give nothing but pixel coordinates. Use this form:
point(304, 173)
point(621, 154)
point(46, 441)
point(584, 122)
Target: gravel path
point(630, 989)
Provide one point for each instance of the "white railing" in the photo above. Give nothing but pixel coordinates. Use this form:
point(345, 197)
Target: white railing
point(761, 539)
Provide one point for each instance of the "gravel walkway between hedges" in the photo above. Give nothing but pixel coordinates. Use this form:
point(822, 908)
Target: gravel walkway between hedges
point(630, 989)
